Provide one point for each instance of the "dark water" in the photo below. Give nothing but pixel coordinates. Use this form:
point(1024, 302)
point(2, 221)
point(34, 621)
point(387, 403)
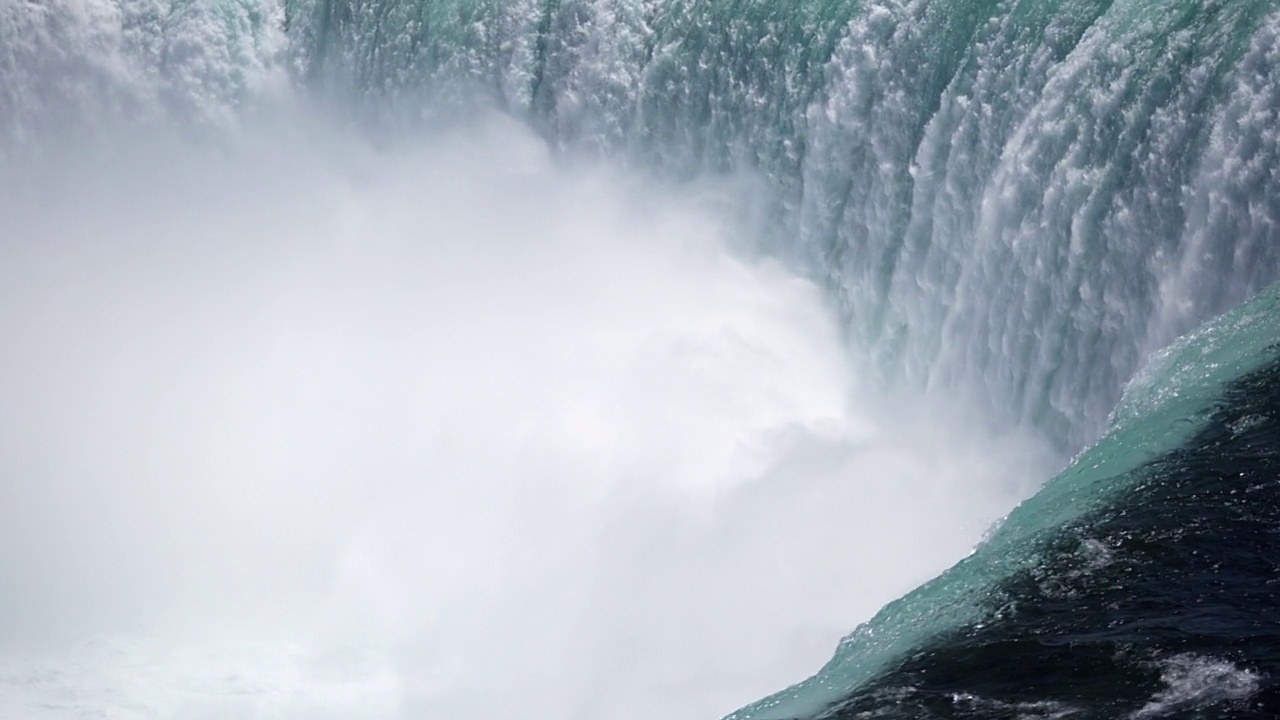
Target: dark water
point(1166, 604)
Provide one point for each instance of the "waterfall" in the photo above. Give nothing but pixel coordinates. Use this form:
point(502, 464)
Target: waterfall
point(742, 311)
point(1019, 200)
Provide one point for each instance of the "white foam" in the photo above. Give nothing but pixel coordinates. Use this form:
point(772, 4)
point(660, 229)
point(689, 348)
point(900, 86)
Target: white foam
point(1193, 681)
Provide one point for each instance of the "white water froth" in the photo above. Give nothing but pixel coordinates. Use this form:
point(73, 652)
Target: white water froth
point(1193, 682)
point(447, 430)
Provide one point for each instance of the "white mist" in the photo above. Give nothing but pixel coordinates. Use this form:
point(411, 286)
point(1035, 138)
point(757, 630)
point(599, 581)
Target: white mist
point(441, 431)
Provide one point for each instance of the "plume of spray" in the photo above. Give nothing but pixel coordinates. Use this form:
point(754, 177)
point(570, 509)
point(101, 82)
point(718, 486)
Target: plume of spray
point(293, 426)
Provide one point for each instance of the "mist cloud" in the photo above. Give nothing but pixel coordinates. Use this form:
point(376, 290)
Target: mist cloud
point(444, 429)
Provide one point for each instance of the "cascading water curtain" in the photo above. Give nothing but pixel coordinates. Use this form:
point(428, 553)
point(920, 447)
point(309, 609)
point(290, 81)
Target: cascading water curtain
point(615, 358)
